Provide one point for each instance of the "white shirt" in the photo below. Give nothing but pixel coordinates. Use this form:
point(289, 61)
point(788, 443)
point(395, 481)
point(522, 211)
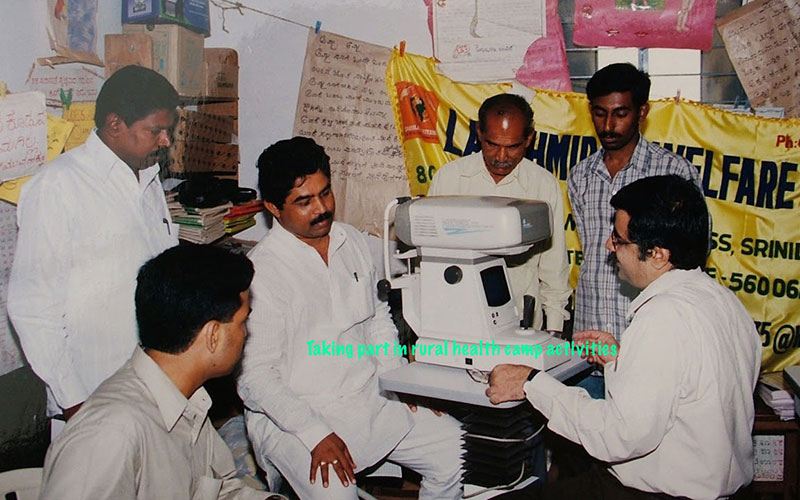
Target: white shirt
point(295, 299)
point(542, 274)
point(137, 436)
point(86, 225)
point(678, 411)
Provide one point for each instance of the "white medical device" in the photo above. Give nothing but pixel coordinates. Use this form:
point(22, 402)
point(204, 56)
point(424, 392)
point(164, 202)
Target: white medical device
point(459, 302)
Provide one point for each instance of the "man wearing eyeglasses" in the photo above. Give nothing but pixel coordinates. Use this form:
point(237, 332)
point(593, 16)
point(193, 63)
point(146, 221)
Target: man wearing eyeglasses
point(678, 414)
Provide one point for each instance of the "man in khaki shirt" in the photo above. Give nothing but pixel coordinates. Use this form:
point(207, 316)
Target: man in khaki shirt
point(144, 432)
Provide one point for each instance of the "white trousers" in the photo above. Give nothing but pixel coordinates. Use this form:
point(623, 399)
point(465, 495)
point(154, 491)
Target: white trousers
point(432, 448)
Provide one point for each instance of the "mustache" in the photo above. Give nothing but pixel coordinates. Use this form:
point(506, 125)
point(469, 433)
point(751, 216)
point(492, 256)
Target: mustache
point(321, 218)
point(610, 135)
point(502, 164)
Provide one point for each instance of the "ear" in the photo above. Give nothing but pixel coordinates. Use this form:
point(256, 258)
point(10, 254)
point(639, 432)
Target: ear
point(529, 139)
point(659, 258)
point(273, 209)
point(113, 124)
point(211, 335)
point(643, 110)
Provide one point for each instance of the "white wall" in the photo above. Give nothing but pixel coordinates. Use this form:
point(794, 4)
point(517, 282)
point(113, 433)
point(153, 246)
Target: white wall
point(271, 53)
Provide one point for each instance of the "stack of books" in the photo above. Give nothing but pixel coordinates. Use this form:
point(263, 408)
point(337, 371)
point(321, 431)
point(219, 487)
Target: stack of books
point(198, 225)
point(777, 394)
point(240, 217)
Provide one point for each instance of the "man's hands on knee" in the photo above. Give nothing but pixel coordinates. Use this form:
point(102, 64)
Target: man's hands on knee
point(332, 452)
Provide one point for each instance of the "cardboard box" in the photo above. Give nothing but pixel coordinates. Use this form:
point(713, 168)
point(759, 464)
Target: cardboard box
point(222, 73)
point(220, 108)
point(189, 157)
point(124, 50)
point(177, 54)
point(192, 14)
point(193, 126)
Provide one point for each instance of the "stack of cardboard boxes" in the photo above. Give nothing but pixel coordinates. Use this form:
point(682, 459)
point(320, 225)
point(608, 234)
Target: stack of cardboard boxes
point(169, 36)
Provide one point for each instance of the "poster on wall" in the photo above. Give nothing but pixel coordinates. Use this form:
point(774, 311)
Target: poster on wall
point(72, 29)
point(545, 63)
point(344, 107)
point(748, 165)
point(23, 134)
point(676, 24)
point(762, 40)
point(485, 41)
point(64, 84)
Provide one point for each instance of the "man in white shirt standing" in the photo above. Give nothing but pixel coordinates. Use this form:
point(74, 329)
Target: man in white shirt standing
point(308, 381)
point(87, 222)
point(505, 130)
point(678, 414)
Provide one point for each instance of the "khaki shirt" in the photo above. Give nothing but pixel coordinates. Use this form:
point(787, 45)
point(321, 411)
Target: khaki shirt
point(138, 437)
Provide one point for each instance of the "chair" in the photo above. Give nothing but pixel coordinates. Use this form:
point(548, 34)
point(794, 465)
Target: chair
point(25, 483)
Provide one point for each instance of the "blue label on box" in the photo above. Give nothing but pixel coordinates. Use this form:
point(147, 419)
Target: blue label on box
point(192, 14)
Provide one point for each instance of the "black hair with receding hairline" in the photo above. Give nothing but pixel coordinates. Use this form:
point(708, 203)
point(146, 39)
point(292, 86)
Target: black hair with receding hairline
point(281, 164)
point(185, 287)
point(133, 93)
point(502, 104)
point(620, 77)
point(670, 212)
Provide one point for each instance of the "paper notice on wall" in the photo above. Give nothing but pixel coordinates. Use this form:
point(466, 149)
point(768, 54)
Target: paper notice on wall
point(485, 41)
point(545, 63)
point(72, 29)
point(344, 107)
point(81, 115)
point(23, 134)
point(763, 41)
point(768, 458)
point(10, 353)
point(679, 24)
point(65, 83)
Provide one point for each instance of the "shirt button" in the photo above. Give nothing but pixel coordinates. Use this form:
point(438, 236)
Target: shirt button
point(608, 326)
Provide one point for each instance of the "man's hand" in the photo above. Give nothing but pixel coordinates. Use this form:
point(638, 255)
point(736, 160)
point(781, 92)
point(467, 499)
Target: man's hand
point(332, 451)
point(597, 339)
point(506, 381)
point(72, 410)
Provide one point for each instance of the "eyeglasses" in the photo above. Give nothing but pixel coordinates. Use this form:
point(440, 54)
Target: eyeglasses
point(617, 240)
point(479, 376)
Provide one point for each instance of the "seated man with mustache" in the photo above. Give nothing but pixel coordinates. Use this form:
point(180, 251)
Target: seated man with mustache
point(313, 406)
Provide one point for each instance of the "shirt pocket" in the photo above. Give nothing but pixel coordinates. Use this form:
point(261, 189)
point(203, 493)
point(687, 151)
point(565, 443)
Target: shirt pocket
point(354, 301)
point(208, 488)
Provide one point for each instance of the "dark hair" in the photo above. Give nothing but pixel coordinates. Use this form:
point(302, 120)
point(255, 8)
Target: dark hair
point(502, 104)
point(670, 212)
point(281, 164)
point(620, 77)
point(132, 93)
point(183, 288)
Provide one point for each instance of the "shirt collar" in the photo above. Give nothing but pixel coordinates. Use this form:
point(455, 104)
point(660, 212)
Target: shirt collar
point(105, 161)
point(660, 285)
point(478, 168)
point(637, 157)
point(338, 236)
point(172, 404)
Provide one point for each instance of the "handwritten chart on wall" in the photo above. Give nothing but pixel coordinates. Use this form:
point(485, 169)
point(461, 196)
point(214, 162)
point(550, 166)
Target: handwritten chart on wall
point(23, 134)
point(763, 40)
point(343, 106)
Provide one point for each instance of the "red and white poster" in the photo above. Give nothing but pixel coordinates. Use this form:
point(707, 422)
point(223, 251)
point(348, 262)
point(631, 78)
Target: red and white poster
point(677, 24)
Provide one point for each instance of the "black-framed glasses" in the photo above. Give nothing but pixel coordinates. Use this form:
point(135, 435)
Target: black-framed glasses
point(617, 240)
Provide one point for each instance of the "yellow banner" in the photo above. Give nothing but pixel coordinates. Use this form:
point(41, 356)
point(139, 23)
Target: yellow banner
point(749, 168)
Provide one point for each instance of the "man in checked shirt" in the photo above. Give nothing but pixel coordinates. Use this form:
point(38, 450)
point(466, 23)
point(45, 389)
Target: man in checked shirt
point(618, 104)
